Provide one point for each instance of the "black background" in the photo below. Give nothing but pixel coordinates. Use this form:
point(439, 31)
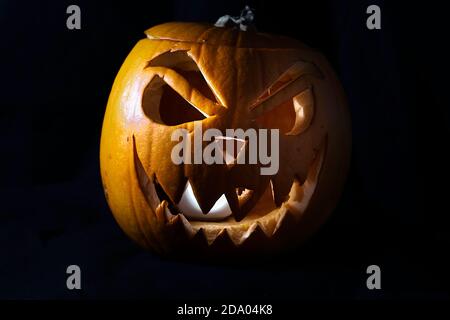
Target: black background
point(55, 84)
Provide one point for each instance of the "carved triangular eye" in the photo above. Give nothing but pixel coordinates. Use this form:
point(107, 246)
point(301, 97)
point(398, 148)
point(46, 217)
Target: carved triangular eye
point(162, 101)
point(293, 116)
point(164, 105)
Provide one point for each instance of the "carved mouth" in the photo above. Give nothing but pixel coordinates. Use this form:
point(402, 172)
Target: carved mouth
point(227, 205)
point(257, 212)
point(189, 207)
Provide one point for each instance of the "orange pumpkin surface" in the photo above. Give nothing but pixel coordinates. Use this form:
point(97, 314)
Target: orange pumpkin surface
point(185, 74)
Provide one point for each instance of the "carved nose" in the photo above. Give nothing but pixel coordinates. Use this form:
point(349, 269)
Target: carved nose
point(231, 147)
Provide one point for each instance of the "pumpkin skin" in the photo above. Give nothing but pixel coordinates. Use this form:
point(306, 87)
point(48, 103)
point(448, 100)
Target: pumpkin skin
point(236, 70)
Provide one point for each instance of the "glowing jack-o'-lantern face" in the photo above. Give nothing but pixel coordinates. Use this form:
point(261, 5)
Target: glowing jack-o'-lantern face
point(194, 78)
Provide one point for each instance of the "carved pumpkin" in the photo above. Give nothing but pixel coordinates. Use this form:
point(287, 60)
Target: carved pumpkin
point(188, 74)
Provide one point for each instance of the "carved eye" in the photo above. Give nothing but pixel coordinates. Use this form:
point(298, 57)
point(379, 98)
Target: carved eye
point(164, 105)
point(291, 117)
point(288, 103)
point(170, 103)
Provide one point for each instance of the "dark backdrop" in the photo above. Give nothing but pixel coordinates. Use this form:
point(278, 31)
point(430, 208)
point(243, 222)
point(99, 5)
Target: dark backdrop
point(55, 85)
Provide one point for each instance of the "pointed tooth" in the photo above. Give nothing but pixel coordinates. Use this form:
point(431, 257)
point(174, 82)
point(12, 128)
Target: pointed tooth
point(199, 240)
point(235, 236)
point(160, 212)
point(299, 198)
point(223, 241)
point(191, 208)
point(211, 234)
point(267, 226)
point(249, 231)
point(233, 201)
point(256, 238)
point(172, 183)
point(301, 193)
point(175, 196)
point(169, 214)
point(180, 224)
point(187, 226)
point(221, 208)
point(246, 206)
point(177, 235)
point(188, 202)
point(280, 219)
point(207, 206)
point(296, 195)
point(246, 195)
point(175, 220)
point(208, 184)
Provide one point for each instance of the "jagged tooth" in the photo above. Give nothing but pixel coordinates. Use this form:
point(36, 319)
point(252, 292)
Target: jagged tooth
point(205, 203)
point(233, 202)
point(199, 240)
point(296, 195)
point(235, 236)
point(175, 195)
point(247, 233)
point(255, 238)
point(267, 226)
point(211, 234)
point(223, 240)
point(160, 212)
point(169, 215)
point(180, 222)
point(280, 219)
point(178, 233)
point(175, 220)
point(301, 194)
point(187, 226)
point(247, 206)
point(285, 221)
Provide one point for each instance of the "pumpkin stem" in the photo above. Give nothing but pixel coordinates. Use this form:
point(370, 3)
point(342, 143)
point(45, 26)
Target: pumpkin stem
point(244, 21)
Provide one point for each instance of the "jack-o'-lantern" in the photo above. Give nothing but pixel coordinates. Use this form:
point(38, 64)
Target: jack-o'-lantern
point(185, 76)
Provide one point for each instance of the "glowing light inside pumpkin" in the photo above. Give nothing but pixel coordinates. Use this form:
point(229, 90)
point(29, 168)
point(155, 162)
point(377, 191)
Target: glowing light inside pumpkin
point(299, 109)
point(231, 147)
point(189, 206)
point(200, 110)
